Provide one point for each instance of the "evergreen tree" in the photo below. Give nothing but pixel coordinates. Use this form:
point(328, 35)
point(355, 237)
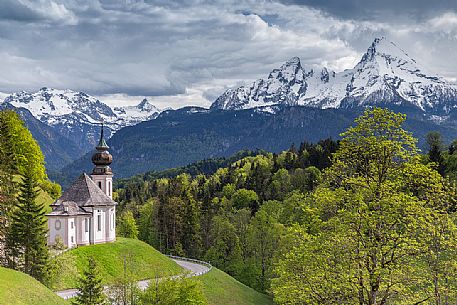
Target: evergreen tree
point(26, 238)
point(435, 144)
point(191, 238)
point(90, 286)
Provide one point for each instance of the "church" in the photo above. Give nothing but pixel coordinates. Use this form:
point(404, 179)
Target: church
point(86, 213)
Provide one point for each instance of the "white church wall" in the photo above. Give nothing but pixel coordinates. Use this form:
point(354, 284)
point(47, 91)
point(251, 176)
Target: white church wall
point(56, 228)
point(71, 229)
point(110, 220)
point(99, 225)
point(82, 230)
point(105, 183)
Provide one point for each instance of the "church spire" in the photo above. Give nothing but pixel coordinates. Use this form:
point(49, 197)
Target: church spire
point(102, 158)
point(102, 143)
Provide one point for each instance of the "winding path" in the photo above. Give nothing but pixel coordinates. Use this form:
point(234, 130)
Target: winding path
point(193, 268)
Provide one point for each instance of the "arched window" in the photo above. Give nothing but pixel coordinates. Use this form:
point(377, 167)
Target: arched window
point(100, 184)
point(109, 188)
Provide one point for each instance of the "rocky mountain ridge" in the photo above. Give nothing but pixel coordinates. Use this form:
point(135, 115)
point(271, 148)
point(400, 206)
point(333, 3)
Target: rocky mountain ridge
point(385, 75)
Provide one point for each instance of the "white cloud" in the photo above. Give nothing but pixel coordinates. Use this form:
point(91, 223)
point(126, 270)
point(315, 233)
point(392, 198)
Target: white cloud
point(189, 53)
point(445, 22)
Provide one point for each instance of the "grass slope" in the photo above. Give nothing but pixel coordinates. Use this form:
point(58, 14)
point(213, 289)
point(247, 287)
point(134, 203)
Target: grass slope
point(222, 289)
point(141, 259)
point(19, 288)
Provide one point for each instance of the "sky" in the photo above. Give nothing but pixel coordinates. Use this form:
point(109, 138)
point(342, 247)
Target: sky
point(179, 53)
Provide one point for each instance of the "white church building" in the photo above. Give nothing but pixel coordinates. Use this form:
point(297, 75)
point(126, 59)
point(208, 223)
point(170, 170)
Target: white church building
point(86, 213)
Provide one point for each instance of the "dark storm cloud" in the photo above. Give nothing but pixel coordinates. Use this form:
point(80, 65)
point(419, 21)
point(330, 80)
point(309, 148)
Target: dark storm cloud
point(379, 9)
point(13, 10)
point(190, 51)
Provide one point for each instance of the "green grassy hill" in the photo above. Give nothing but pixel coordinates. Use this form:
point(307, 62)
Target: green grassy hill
point(142, 260)
point(222, 289)
point(19, 288)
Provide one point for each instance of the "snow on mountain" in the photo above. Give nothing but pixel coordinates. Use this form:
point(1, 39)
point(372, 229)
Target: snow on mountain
point(77, 115)
point(385, 74)
point(131, 115)
point(57, 107)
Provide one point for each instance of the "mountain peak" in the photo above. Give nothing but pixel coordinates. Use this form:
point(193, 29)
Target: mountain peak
point(387, 50)
point(294, 61)
point(144, 105)
point(386, 74)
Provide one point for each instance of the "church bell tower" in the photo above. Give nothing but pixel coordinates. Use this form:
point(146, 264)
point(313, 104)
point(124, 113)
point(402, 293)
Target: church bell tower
point(102, 174)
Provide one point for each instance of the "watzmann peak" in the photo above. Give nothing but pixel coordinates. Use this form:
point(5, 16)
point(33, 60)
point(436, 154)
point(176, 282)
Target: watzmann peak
point(385, 74)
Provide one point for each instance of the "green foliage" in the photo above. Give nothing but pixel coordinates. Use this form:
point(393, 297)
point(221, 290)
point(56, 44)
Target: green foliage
point(243, 198)
point(225, 252)
point(185, 291)
point(125, 288)
point(18, 144)
point(20, 153)
point(385, 229)
point(211, 217)
point(126, 225)
point(20, 156)
point(435, 147)
point(26, 246)
point(90, 288)
point(145, 262)
point(264, 234)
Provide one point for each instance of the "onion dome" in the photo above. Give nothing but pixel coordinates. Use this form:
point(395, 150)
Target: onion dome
point(102, 158)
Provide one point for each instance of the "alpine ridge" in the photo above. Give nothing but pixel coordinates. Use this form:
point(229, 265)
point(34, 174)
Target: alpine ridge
point(385, 75)
point(77, 115)
point(66, 123)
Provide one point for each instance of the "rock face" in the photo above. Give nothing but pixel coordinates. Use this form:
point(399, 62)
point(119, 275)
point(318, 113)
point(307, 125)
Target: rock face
point(73, 118)
point(77, 115)
point(386, 75)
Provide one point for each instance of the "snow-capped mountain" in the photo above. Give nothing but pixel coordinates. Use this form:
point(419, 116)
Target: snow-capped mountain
point(385, 75)
point(52, 107)
point(131, 115)
point(77, 115)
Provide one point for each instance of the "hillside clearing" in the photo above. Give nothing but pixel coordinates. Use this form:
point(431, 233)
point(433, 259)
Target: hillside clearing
point(222, 289)
point(141, 261)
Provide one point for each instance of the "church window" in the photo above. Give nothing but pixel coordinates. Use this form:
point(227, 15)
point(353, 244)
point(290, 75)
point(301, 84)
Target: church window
point(86, 224)
point(58, 224)
point(71, 224)
point(99, 222)
point(109, 188)
point(72, 240)
point(100, 184)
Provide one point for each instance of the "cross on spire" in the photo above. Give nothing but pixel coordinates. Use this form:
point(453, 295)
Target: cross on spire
point(102, 143)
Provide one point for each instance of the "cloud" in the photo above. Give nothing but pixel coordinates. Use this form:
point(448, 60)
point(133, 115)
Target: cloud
point(391, 10)
point(36, 10)
point(188, 52)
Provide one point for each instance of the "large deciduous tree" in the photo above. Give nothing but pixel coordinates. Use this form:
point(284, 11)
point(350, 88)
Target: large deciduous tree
point(386, 230)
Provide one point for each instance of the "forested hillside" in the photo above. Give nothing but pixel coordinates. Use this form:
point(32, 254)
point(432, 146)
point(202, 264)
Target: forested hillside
point(222, 217)
point(357, 212)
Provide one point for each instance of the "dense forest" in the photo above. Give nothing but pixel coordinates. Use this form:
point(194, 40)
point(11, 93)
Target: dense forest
point(23, 179)
point(367, 220)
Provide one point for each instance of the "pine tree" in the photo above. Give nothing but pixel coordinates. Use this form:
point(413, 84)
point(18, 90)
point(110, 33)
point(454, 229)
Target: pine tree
point(191, 237)
point(26, 238)
point(435, 144)
point(90, 286)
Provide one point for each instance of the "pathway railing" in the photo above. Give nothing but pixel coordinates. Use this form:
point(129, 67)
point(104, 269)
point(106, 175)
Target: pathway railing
point(193, 261)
